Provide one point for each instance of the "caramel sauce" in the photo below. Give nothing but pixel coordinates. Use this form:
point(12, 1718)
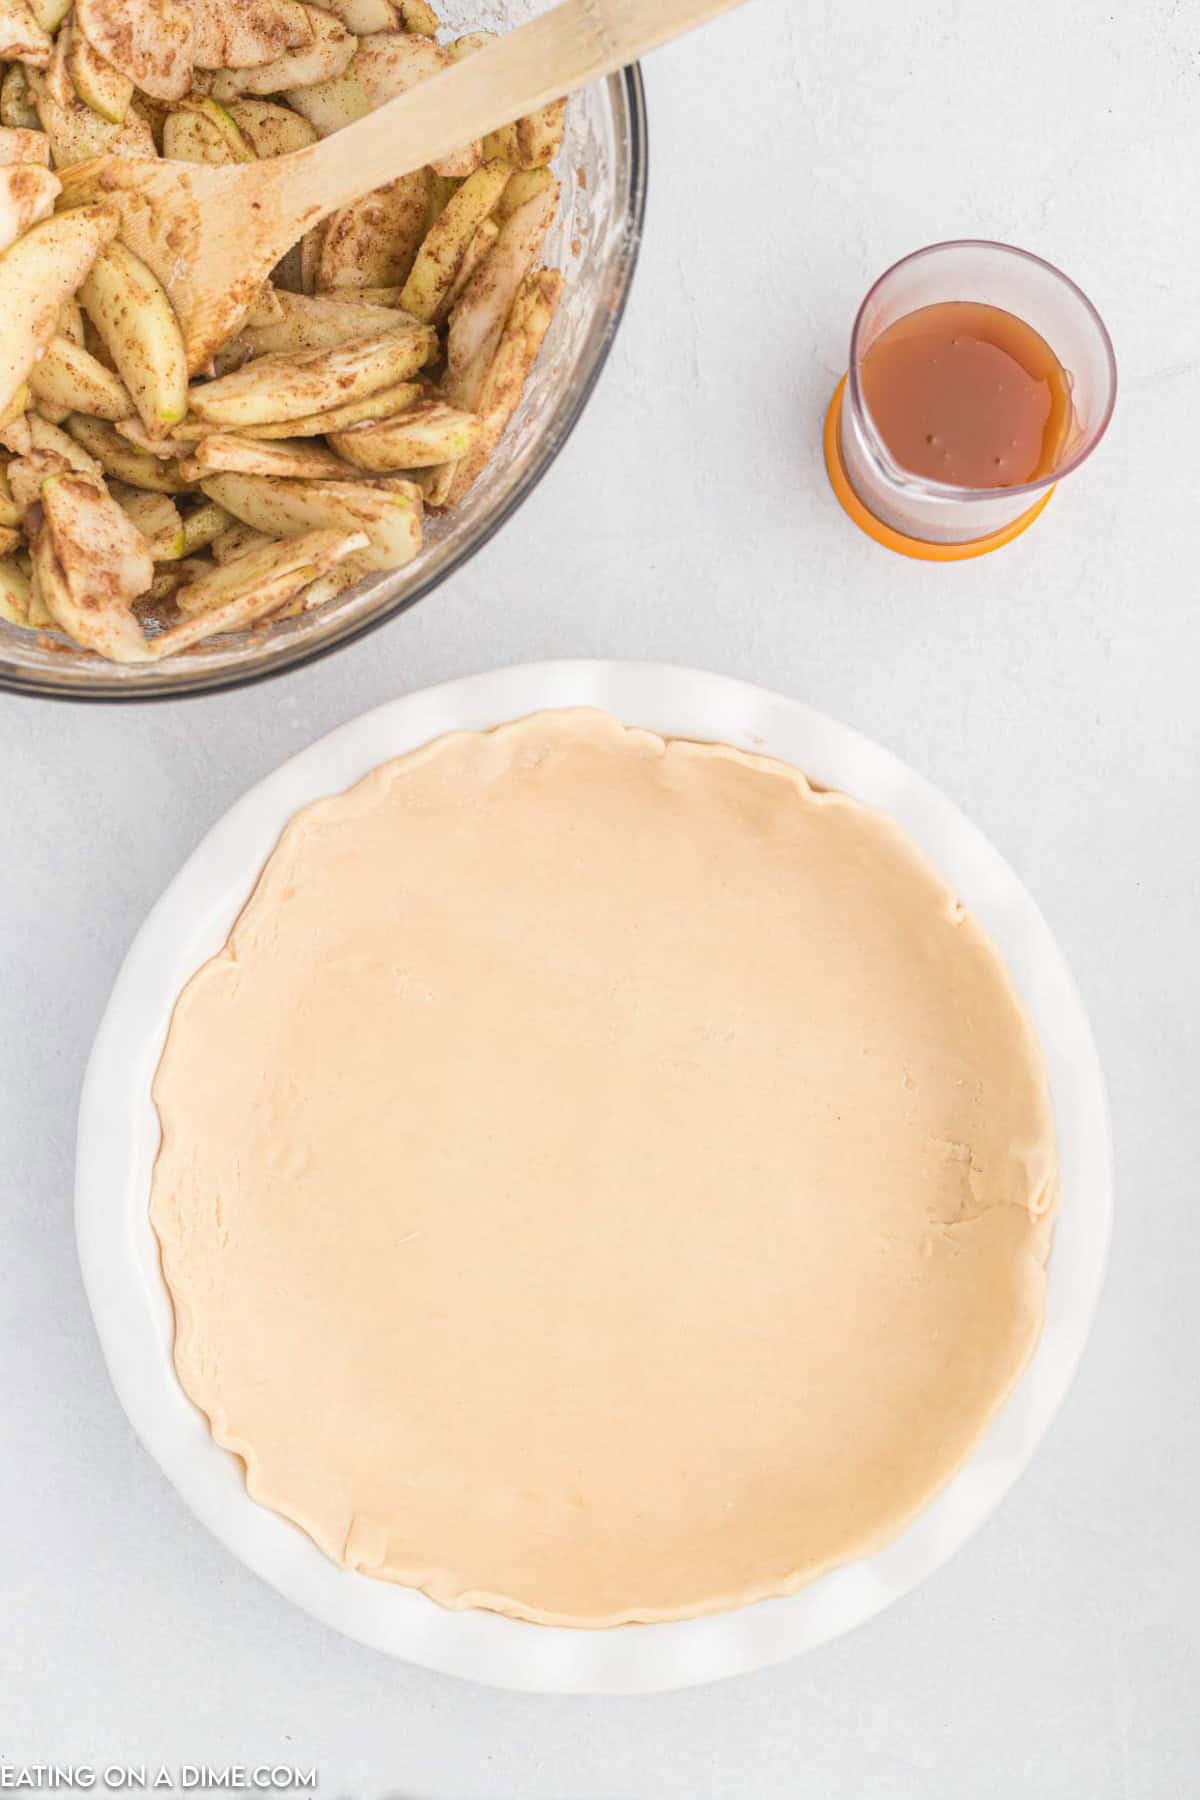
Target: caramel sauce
point(968, 394)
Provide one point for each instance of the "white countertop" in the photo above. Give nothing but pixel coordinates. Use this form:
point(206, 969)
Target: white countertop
point(1050, 689)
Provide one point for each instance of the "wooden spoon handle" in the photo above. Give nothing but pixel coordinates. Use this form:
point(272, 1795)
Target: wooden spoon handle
point(561, 50)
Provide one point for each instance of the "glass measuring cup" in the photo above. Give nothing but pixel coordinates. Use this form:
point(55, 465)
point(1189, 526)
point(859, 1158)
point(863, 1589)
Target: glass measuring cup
point(938, 520)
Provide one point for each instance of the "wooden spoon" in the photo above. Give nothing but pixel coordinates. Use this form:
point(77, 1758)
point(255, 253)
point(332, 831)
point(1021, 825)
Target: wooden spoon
point(212, 235)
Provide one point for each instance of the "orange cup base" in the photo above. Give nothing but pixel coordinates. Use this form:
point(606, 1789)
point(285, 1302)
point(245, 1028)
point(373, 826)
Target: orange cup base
point(896, 540)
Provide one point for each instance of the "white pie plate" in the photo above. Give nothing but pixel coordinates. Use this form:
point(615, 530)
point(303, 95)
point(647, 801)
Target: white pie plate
point(118, 1140)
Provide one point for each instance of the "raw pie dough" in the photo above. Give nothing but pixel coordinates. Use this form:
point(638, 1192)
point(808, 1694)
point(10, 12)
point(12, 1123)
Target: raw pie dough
point(602, 1178)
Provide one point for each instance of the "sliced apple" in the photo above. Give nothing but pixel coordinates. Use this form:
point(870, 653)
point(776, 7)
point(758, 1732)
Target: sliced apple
point(329, 586)
point(500, 393)
point(21, 37)
point(384, 404)
point(150, 41)
point(40, 616)
point(98, 82)
point(270, 582)
point(77, 133)
point(480, 314)
point(276, 388)
point(26, 475)
point(49, 452)
point(201, 130)
point(446, 244)
point(50, 441)
point(14, 593)
point(9, 513)
point(37, 273)
point(283, 568)
point(420, 438)
point(270, 129)
point(326, 57)
point(54, 76)
point(372, 242)
point(481, 245)
point(391, 62)
point(49, 13)
point(117, 456)
point(19, 145)
point(14, 425)
point(531, 142)
point(92, 563)
point(27, 195)
point(330, 105)
point(46, 409)
point(70, 378)
point(320, 322)
point(157, 518)
point(297, 458)
point(248, 34)
point(109, 627)
point(129, 307)
point(389, 514)
point(418, 17)
point(435, 485)
point(524, 185)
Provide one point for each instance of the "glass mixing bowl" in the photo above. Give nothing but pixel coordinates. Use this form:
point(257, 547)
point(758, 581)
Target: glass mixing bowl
point(595, 240)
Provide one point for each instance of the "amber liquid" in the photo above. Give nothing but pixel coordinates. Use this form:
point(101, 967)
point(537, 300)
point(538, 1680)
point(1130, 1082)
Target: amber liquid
point(968, 394)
